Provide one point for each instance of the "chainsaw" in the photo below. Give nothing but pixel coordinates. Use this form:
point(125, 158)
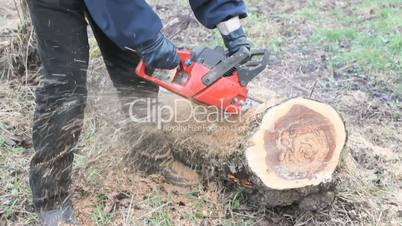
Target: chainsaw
point(209, 77)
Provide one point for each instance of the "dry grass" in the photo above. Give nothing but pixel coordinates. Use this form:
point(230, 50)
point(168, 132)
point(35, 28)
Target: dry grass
point(19, 58)
point(16, 106)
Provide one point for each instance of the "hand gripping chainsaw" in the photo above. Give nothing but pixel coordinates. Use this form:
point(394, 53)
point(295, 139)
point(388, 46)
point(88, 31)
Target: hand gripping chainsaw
point(207, 76)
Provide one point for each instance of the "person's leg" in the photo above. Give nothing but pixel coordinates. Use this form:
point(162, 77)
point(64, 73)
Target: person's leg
point(60, 98)
point(151, 148)
point(121, 66)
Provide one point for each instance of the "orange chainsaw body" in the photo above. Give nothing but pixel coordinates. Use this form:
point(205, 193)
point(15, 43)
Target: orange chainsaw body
point(226, 92)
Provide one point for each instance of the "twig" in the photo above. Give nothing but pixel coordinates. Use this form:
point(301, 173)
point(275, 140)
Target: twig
point(129, 211)
point(4, 44)
point(257, 222)
point(304, 222)
point(368, 18)
point(8, 35)
point(313, 88)
point(154, 210)
point(296, 86)
point(18, 10)
point(347, 67)
point(379, 219)
point(26, 57)
point(6, 131)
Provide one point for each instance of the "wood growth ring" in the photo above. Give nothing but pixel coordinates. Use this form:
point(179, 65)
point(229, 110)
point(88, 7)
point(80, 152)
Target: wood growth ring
point(298, 144)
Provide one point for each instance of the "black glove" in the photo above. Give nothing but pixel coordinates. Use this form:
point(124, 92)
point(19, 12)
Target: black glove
point(159, 53)
point(236, 39)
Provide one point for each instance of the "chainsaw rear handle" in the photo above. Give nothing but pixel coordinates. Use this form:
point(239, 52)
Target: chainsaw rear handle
point(143, 71)
point(226, 65)
point(245, 63)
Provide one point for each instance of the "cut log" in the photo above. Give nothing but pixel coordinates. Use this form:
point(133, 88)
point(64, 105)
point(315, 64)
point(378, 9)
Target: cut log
point(280, 153)
point(297, 144)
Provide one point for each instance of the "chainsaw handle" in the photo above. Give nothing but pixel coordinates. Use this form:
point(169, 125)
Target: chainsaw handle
point(220, 69)
point(144, 72)
point(252, 68)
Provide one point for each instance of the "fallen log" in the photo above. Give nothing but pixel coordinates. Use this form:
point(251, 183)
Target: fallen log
point(281, 153)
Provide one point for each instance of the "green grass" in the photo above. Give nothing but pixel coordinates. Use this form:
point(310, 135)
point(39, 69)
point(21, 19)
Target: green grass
point(15, 195)
point(365, 36)
point(159, 214)
point(201, 204)
point(80, 161)
point(369, 37)
point(335, 35)
point(99, 216)
point(237, 200)
point(216, 40)
point(17, 191)
point(367, 33)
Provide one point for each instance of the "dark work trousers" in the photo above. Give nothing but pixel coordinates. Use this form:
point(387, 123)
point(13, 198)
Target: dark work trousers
point(61, 30)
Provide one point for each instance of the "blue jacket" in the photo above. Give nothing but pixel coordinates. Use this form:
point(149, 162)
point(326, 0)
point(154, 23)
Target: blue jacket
point(131, 23)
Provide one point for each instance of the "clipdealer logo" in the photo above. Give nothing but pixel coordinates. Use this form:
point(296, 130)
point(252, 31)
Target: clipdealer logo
point(152, 111)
